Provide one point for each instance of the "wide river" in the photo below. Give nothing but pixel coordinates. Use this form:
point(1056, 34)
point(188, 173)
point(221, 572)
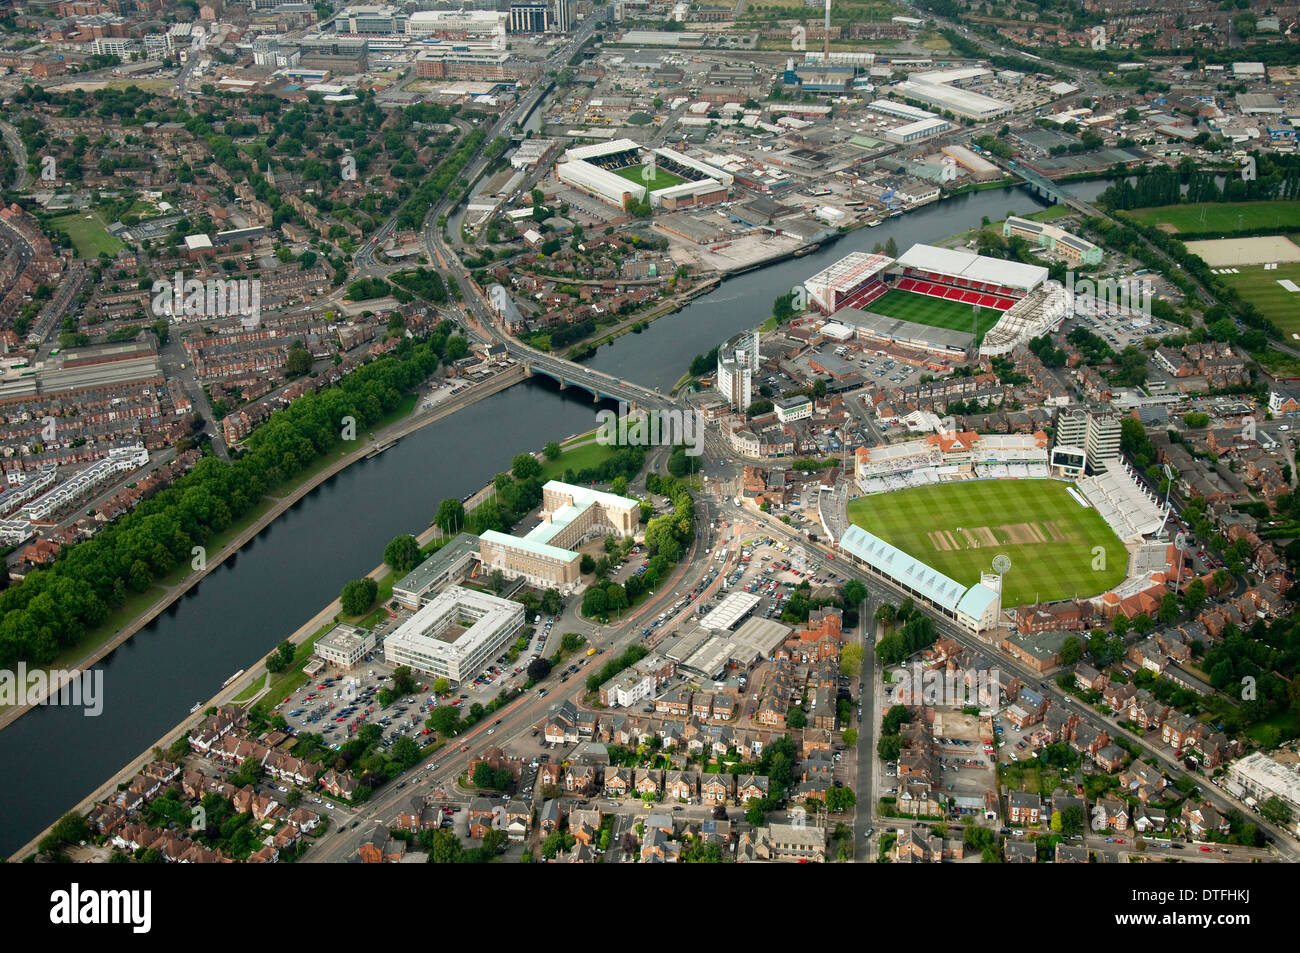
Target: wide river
point(53, 757)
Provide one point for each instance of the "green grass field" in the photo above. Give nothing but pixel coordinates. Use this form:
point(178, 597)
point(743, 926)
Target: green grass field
point(936, 312)
point(90, 236)
point(1223, 217)
point(1261, 289)
point(957, 528)
point(662, 177)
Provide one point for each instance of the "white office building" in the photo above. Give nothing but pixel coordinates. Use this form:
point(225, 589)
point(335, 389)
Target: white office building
point(737, 364)
point(456, 635)
point(344, 645)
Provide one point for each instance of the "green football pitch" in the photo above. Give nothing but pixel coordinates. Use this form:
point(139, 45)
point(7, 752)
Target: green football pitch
point(957, 528)
point(936, 312)
point(661, 179)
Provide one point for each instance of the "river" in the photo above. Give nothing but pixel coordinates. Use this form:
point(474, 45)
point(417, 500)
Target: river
point(53, 757)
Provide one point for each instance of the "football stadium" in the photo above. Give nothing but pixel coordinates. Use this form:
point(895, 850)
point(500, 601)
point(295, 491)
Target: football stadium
point(944, 302)
point(621, 169)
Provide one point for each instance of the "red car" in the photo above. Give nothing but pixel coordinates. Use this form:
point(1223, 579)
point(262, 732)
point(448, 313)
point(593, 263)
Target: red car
point(1207, 850)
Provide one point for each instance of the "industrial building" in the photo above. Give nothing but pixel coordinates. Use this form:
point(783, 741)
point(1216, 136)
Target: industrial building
point(960, 102)
point(456, 635)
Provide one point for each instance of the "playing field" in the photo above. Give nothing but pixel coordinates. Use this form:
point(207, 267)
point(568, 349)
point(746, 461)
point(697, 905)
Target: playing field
point(1221, 217)
point(957, 528)
point(1261, 289)
point(662, 178)
point(936, 312)
point(88, 234)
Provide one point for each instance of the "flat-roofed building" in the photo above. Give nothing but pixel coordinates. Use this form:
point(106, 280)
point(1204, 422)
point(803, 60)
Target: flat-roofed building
point(793, 408)
point(1070, 247)
point(448, 565)
point(1262, 778)
point(456, 634)
point(570, 516)
point(344, 645)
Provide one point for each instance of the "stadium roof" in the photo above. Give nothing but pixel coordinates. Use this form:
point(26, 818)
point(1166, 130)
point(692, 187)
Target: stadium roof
point(917, 576)
point(908, 570)
point(964, 264)
point(602, 149)
point(845, 275)
point(909, 332)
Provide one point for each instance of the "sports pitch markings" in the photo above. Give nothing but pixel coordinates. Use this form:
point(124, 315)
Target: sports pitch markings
point(1261, 288)
point(662, 177)
point(1227, 218)
point(957, 528)
point(935, 312)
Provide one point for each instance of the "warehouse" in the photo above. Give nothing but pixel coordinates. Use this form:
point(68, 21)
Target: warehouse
point(916, 131)
point(961, 102)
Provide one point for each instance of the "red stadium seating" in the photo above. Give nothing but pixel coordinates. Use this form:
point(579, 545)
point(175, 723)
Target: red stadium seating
point(949, 293)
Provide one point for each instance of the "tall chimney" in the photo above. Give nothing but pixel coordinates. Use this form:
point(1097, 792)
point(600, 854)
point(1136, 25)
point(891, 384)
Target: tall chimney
point(826, 37)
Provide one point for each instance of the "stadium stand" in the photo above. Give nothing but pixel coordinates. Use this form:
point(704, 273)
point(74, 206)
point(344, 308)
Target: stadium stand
point(1126, 505)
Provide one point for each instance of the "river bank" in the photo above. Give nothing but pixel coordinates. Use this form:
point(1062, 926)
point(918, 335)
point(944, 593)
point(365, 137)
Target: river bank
point(394, 431)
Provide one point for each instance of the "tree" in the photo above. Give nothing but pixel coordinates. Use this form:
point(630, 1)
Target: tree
point(850, 736)
point(885, 613)
point(1071, 650)
point(445, 720)
point(839, 800)
point(888, 747)
point(525, 466)
point(451, 516)
point(851, 660)
point(298, 361)
point(482, 777)
point(538, 669)
point(497, 580)
point(358, 595)
point(402, 553)
point(795, 719)
point(552, 450)
point(405, 751)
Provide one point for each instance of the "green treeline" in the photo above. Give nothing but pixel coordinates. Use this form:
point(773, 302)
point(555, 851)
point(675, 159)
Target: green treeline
point(54, 608)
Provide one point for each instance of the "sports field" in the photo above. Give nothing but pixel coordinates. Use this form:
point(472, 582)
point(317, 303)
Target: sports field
point(1222, 217)
point(957, 528)
point(1261, 289)
point(936, 312)
point(88, 234)
point(662, 177)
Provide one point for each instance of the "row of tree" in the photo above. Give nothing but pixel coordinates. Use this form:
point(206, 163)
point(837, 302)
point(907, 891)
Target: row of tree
point(53, 608)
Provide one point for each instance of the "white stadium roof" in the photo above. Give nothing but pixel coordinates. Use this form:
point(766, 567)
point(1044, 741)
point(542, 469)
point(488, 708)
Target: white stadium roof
point(602, 149)
point(964, 264)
